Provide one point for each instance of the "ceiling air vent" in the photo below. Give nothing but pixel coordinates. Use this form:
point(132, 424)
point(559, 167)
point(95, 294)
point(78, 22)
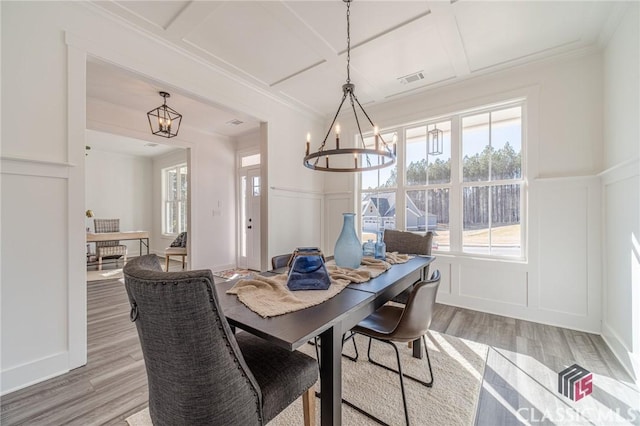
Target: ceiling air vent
point(412, 77)
point(235, 122)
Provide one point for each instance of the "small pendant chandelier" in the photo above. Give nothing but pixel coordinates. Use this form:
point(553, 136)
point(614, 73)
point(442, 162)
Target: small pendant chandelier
point(435, 138)
point(355, 159)
point(164, 120)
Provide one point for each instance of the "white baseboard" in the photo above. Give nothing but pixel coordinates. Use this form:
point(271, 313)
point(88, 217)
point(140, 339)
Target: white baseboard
point(25, 375)
point(630, 362)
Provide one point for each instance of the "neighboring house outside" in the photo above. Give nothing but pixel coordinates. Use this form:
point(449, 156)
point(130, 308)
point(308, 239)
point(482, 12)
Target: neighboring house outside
point(379, 212)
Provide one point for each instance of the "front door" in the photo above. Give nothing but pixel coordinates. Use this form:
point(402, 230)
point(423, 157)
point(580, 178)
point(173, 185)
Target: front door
point(251, 189)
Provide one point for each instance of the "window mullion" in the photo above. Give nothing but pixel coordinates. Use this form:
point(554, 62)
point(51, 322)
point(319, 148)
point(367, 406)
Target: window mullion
point(401, 190)
point(490, 187)
point(455, 198)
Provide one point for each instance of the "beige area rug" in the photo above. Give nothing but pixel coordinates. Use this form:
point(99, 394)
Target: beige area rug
point(458, 367)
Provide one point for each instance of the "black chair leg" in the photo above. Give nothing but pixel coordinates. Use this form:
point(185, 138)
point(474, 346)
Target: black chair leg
point(426, 350)
point(351, 336)
point(401, 376)
point(315, 343)
point(415, 379)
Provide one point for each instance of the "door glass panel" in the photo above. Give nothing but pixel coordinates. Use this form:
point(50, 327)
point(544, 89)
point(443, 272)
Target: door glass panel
point(243, 216)
point(255, 183)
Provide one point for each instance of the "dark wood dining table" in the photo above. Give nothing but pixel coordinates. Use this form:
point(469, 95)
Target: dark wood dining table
point(329, 320)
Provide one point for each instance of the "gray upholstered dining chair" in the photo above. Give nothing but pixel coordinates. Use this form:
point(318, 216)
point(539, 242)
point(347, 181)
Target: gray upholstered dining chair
point(408, 243)
point(198, 371)
point(280, 261)
point(391, 324)
point(105, 249)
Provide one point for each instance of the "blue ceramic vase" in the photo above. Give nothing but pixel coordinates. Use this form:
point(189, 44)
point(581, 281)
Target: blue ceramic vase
point(348, 251)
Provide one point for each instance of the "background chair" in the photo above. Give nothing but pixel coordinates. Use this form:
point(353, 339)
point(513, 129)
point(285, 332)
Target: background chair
point(107, 249)
point(280, 261)
point(175, 251)
point(198, 371)
point(396, 324)
point(177, 248)
point(408, 243)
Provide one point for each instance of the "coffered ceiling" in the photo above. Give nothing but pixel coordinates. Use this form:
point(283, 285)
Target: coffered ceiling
point(297, 49)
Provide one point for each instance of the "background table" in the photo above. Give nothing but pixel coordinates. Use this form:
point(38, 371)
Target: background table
point(143, 236)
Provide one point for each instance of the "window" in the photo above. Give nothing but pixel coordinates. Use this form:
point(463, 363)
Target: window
point(250, 160)
point(469, 193)
point(174, 183)
point(428, 182)
point(378, 194)
point(492, 182)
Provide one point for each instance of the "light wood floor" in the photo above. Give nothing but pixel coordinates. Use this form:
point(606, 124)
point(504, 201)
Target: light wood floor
point(522, 355)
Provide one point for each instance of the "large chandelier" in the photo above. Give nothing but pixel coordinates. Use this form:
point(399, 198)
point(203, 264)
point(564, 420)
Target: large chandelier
point(164, 120)
point(356, 159)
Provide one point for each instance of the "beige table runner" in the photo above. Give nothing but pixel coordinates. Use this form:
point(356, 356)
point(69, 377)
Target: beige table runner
point(270, 297)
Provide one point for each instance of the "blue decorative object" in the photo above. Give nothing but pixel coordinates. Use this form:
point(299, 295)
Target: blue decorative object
point(307, 271)
point(348, 251)
point(369, 249)
point(381, 247)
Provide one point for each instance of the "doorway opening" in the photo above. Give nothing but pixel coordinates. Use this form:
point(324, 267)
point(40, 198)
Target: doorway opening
point(249, 199)
point(144, 187)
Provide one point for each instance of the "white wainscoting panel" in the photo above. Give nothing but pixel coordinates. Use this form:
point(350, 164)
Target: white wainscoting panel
point(563, 250)
point(487, 282)
point(34, 277)
point(621, 275)
point(444, 266)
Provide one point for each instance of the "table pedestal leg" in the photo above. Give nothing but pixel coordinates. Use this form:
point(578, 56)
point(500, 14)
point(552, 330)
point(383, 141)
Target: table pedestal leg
point(331, 377)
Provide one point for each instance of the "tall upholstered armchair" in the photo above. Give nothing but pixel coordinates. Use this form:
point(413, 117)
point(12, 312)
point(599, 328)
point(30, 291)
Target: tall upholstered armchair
point(200, 372)
point(106, 249)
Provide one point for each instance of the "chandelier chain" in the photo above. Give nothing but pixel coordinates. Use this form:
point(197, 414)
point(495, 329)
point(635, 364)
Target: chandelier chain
point(381, 150)
point(348, 41)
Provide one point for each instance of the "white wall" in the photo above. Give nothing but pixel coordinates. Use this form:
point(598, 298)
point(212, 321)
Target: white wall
point(44, 315)
point(248, 141)
point(118, 186)
point(621, 192)
point(560, 280)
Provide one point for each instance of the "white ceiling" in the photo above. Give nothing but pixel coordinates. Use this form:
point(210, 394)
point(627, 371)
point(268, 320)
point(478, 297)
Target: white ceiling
point(297, 49)
point(101, 141)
